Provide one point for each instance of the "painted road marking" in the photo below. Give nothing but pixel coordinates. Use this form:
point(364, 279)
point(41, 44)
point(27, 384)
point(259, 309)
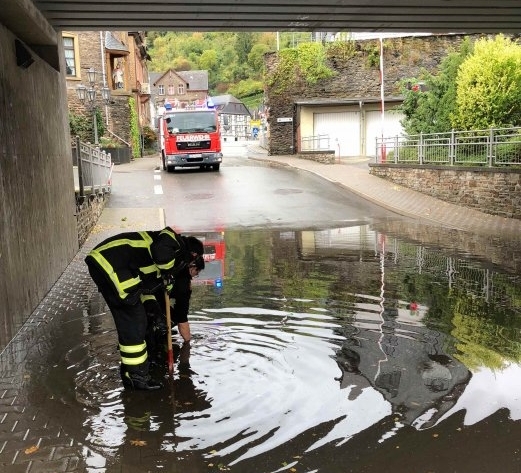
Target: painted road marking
point(158, 189)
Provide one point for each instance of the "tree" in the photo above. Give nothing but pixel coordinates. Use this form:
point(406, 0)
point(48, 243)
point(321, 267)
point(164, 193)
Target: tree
point(489, 86)
point(256, 57)
point(428, 108)
point(243, 46)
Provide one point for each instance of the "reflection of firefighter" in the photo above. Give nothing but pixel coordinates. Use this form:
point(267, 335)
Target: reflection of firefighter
point(147, 414)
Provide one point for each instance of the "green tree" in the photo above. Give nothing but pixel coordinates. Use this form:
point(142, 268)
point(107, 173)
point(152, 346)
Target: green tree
point(428, 109)
point(256, 57)
point(243, 45)
point(489, 86)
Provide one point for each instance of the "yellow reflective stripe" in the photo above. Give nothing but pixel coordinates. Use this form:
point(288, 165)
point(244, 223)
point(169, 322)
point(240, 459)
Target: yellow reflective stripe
point(148, 297)
point(134, 361)
point(170, 264)
point(166, 266)
point(133, 348)
point(169, 232)
point(137, 354)
point(126, 241)
point(148, 269)
point(122, 287)
point(148, 240)
point(107, 267)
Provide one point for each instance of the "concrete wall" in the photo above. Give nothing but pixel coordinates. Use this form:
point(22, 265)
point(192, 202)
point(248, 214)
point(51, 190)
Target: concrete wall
point(38, 235)
point(491, 190)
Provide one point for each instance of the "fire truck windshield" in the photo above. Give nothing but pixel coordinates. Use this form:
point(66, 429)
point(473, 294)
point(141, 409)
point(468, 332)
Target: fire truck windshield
point(191, 122)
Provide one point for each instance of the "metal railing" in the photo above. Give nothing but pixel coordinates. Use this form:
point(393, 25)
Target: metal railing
point(92, 169)
point(314, 143)
point(492, 147)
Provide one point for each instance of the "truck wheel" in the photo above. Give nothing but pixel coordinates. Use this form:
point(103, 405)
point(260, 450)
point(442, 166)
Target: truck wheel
point(170, 168)
point(216, 166)
point(164, 162)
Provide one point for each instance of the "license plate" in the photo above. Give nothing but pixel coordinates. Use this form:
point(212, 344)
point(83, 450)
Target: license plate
point(196, 155)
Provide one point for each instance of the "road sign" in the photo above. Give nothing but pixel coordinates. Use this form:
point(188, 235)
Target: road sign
point(284, 119)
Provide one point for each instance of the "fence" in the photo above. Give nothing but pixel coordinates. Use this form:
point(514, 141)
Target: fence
point(493, 147)
point(92, 169)
point(314, 143)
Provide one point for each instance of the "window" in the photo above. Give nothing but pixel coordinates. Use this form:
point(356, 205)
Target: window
point(181, 89)
point(171, 89)
point(161, 89)
point(70, 46)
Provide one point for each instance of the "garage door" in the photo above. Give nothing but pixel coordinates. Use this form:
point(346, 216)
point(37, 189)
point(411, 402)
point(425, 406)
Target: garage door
point(373, 127)
point(343, 129)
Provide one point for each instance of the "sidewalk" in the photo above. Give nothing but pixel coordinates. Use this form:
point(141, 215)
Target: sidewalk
point(32, 438)
point(353, 174)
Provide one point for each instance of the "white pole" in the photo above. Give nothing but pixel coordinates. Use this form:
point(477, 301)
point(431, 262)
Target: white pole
point(278, 41)
point(382, 98)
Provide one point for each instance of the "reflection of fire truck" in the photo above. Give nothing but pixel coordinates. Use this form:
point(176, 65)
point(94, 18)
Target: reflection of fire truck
point(189, 137)
point(214, 254)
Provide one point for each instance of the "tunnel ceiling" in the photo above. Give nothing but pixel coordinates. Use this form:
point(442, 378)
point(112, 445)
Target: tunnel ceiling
point(436, 16)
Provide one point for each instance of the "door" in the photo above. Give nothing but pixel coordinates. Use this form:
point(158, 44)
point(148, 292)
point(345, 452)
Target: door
point(343, 129)
point(373, 128)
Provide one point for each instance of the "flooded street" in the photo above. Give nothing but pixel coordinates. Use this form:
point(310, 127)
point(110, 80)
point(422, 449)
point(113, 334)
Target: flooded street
point(336, 350)
point(330, 335)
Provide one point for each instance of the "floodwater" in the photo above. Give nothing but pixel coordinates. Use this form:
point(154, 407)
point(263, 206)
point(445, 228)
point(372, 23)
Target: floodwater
point(335, 350)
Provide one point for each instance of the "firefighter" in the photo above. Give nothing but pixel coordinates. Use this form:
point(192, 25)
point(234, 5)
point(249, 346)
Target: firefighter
point(132, 270)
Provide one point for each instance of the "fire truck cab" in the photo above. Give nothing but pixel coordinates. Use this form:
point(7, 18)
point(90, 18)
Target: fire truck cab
point(189, 138)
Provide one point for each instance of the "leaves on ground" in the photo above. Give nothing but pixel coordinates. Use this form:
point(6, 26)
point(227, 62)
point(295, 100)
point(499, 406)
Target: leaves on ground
point(138, 443)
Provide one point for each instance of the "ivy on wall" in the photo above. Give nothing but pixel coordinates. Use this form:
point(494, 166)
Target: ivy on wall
point(134, 129)
point(307, 62)
point(83, 126)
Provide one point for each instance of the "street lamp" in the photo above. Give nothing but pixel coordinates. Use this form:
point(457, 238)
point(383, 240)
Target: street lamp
point(87, 96)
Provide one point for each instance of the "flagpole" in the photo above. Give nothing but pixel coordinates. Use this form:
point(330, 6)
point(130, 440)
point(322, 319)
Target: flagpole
point(382, 99)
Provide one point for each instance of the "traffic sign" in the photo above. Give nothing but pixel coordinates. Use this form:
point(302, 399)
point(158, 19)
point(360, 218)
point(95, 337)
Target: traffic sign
point(284, 119)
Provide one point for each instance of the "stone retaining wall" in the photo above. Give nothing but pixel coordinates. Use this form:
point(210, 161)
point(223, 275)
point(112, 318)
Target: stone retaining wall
point(324, 157)
point(88, 211)
point(495, 191)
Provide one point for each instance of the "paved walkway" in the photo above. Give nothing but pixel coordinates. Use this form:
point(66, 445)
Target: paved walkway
point(353, 174)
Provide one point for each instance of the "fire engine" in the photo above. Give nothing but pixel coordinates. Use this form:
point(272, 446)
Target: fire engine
point(189, 137)
point(214, 255)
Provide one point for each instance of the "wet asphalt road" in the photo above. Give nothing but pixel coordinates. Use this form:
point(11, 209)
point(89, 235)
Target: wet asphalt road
point(243, 194)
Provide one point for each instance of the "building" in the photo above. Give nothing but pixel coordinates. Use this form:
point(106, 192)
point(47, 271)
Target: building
point(234, 117)
point(348, 111)
point(120, 61)
point(182, 89)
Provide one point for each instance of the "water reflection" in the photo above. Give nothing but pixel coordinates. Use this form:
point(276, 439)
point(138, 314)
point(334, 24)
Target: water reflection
point(317, 339)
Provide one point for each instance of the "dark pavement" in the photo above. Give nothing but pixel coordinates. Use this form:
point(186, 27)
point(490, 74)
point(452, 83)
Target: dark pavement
point(30, 441)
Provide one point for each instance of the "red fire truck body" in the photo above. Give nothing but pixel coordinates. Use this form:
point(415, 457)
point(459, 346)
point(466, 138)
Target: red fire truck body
point(190, 138)
point(214, 255)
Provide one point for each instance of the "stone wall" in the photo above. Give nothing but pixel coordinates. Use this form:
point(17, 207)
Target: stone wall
point(324, 157)
point(492, 190)
point(357, 78)
point(88, 211)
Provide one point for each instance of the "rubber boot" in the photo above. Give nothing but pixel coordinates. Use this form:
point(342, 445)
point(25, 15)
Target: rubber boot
point(137, 378)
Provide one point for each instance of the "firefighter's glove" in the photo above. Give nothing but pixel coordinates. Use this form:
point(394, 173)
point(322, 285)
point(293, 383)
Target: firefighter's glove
point(168, 281)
